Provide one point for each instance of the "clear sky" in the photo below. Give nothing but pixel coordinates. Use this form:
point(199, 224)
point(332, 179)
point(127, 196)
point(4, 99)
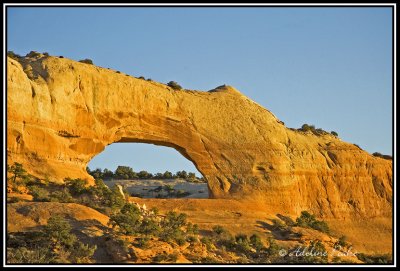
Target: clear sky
point(331, 67)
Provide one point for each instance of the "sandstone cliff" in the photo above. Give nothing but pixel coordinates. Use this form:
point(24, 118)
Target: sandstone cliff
point(61, 113)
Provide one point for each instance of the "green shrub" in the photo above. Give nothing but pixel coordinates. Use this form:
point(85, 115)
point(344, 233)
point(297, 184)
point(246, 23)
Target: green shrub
point(378, 154)
point(149, 227)
point(24, 255)
point(127, 219)
point(33, 54)
point(219, 229)
point(61, 196)
point(38, 193)
point(255, 242)
point(59, 232)
point(174, 85)
point(143, 242)
point(86, 61)
point(13, 55)
point(375, 259)
point(334, 133)
point(341, 242)
point(77, 186)
point(308, 220)
point(208, 242)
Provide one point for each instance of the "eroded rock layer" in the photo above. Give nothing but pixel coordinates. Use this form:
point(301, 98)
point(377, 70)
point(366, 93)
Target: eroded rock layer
point(61, 113)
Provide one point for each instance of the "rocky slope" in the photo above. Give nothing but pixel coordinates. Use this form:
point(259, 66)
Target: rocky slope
point(61, 113)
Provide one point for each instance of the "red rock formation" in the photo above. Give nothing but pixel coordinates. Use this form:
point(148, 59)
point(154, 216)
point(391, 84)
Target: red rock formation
point(61, 113)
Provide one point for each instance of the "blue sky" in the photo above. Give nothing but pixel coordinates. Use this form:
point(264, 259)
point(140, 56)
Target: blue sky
point(331, 67)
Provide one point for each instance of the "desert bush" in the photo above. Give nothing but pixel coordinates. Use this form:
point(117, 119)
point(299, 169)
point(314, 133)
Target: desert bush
point(256, 243)
point(127, 219)
point(86, 61)
point(174, 85)
point(307, 220)
point(378, 154)
point(38, 193)
point(141, 77)
point(24, 255)
point(341, 242)
point(375, 259)
point(192, 228)
point(143, 242)
point(219, 229)
point(208, 242)
point(334, 133)
point(149, 227)
point(165, 257)
point(65, 244)
point(33, 54)
point(76, 186)
point(61, 196)
point(13, 55)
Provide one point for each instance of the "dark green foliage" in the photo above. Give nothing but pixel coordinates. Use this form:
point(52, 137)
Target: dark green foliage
point(125, 172)
point(46, 54)
point(219, 229)
point(334, 133)
point(17, 171)
point(149, 227)
point(357, 146)
point(127, 220)
point(33, 54)
point(384, 156)
point(255, 242)
point(118, 71)
point(171, 227)
point(76, 186)
point(316, 131)
point(144, 175)
point(86, 61)
point(35, 255)
point(61, 196)
point(165, 258)
point(38, 193)
point(167, 175)
point(143, 242)
point(174, 85)
point(13, 55)
point(273, 249)
point(65, 244)
point(341, 242)
point(61, 57)
point(308, 220)
point(208, 242)
point(375, 259)
point(181, 174)
point(141, 77)
point(59, 231)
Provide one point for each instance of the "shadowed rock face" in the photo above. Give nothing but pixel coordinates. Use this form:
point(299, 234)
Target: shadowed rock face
point(62, 113)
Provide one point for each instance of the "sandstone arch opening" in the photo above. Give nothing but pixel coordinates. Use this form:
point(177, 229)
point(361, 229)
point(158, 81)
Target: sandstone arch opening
point(149, 170)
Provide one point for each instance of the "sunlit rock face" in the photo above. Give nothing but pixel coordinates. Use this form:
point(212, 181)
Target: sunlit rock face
point(61, 113)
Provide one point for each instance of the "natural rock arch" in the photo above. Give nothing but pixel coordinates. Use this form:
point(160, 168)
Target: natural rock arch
point(61, 113)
